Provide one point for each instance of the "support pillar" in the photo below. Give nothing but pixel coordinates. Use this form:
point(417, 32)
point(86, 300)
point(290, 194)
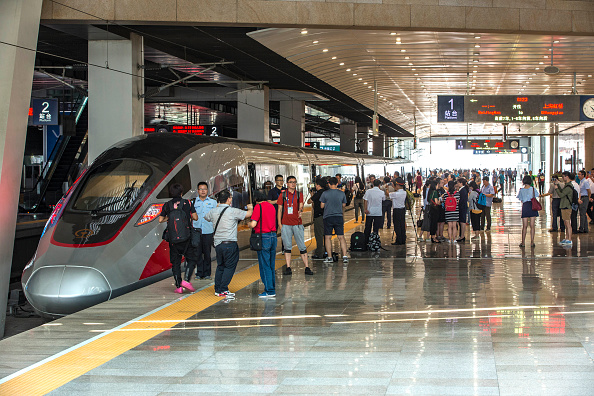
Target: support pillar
point(253, 115)
point(116, 110)
point(348, 134)
point(19, 27)
point(588, 147)
point(389, 147)
point(292, 122)
point(379, 145)
point(363, 139)
point(553, 150)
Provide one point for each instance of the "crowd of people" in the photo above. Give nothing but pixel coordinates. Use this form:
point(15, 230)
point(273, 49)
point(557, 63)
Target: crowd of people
point(451, 202)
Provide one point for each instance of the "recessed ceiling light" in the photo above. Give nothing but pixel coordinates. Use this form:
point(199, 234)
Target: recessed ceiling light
point(360, 78)
point(341, 64)
point(529, 78)
point(325, 50)
point(477, 46)
point(546, 57)
point(402, 50)
point(406, 57)
point(541, 63)
point(422, 86)
point(537, 68)
point(364, 83)
point(393, 34)
point(354, 74)
point(398, 42)
point(369, 86)
point(556, 41)
point(475, 66)
point(333, 57)
point(474, 71)
point(475, 60)
point(315, 42)
point(413, 69)
point(418, 78)
point(477, 37)
point(589, 75)
point(410, 64)
point(348, 69)
point(304, 32)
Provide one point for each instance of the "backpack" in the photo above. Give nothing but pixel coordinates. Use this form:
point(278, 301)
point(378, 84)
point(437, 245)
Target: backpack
point(358, 242)
point(409, 202)
point(360, 193)
point(574, 199)
point(481, 202)
point(178, 223)
point(349, 196)
point(542, 177)
point(450, 203)
point(375, 243)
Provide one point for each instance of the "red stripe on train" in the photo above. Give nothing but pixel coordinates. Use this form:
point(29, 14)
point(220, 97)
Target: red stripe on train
point(158, 262)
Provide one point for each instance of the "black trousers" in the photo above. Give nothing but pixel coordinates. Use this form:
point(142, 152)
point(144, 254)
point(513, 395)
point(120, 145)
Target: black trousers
point(176, 251)
point(434, 219)
point(400, 225)
point(203, 267)
point(387, 212)
point(372, 222)
point(475, 220)
point(486, 214)
point(574, 221)
point(227, 259)
point(557, 214)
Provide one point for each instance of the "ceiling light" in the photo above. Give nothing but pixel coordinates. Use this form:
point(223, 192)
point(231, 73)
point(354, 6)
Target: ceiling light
point(315, 42)
point(477, 46)
point(418, 78)
point(556, 41)
point(475, 66)
point(477, 37)
point(364, 83)
point(398, 42)
point(406, 57)
point(536, 68)
point(529, 78)
point(410, 64)
point(589, 75)
point(422, 86)
point(475, 60)
point(304, 32)
point(541, 63)
point(341, 64)
point(402, 50)
point(393, 34)
point(474, 71)
point(348, 69)
point(413, 69)
point(325, 50)
point(354, 74)
point(333, 57)
point(546, 57)
point(360, 78)
point(369, 86)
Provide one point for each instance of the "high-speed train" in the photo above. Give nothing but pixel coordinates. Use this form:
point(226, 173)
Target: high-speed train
point(102, 239)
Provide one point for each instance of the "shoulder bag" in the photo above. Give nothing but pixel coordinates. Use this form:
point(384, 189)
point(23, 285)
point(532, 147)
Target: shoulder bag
point(535, 204)
point(218, 221)
point(255, 238)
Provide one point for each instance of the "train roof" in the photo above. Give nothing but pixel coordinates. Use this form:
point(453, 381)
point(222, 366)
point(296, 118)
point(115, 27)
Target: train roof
point(165, 149)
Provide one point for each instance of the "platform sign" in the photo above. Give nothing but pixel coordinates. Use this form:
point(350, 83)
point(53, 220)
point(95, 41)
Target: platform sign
point(450, 108)
point(45, 112)
point(515, 108)
point(494, 145)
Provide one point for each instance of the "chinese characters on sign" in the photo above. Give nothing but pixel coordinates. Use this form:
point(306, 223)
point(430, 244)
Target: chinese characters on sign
point(450, 108)
point(45, 112)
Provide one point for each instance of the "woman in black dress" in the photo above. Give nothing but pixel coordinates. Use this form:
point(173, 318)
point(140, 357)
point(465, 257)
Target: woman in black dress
point(463, 207)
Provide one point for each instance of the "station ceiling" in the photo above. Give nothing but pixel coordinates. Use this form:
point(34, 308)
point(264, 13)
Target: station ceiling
point(412, 68)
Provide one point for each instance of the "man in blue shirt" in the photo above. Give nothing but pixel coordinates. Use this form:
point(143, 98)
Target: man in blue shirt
point(489, 192)
point(203, 205)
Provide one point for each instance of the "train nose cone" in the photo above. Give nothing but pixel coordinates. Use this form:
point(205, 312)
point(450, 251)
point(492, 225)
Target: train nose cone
point(62, 290)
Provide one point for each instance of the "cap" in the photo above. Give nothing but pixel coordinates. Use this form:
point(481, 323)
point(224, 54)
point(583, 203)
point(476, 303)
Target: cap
point(400, 181)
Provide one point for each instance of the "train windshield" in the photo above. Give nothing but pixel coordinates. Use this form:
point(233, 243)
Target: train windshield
point(113, 186)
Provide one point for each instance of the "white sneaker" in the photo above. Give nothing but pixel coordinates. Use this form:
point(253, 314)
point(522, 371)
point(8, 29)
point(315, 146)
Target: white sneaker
point(345, 259)
point(328, 260)
point(563, 242)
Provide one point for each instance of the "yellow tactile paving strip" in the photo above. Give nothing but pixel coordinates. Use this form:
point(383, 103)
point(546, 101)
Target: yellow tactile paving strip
point(63, 369)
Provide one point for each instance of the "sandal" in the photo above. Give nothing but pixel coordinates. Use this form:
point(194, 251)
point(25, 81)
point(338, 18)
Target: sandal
point(533, 245)
point(434, 241)
point(522, 245)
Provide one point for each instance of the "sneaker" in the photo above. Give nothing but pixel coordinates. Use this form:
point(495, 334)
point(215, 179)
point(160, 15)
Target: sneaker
point(308, 271)
point(345, 259)
point(188, 285)
point(207, 277)
point(179, 290)
point(328, 260)
point(272, 294)
point(568, 243)
point(288, 271)
point(263, 295)
point(563, 242)
point(228, 293)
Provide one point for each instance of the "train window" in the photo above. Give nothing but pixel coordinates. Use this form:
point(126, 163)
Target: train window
point(113, 186)
point(182, 177)
point(234, 179)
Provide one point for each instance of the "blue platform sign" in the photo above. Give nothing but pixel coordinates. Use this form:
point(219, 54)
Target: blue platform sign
point(450, 108)
point(45, 112)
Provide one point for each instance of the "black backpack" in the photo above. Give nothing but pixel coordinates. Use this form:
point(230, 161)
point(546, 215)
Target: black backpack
point(575, 197)
point(360, 193)
point(375, 243)
point(358, 242)
point(178, 223)
point(349, 196)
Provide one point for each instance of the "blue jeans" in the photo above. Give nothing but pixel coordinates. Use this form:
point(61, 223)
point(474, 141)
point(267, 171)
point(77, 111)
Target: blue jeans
point(266, 258)
point(227, 259)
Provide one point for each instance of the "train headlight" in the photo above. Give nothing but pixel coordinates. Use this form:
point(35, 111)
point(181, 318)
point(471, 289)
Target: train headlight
point(151, 214)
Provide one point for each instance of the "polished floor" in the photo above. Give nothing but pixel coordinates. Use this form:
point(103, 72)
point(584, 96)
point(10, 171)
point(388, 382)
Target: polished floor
point(481, 318)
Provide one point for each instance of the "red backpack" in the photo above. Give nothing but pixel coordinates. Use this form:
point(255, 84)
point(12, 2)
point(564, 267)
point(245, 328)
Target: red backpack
point(450, 203)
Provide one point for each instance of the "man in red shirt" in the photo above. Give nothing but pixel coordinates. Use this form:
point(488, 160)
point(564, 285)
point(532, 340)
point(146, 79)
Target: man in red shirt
point(290, 207)
point(263, 222)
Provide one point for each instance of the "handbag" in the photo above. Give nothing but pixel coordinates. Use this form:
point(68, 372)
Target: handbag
point(535, 204)
point(256, 238)
point(196, 236)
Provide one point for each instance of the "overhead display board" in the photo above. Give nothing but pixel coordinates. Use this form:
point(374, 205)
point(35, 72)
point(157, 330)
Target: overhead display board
point(489, 146)
point(515, 108)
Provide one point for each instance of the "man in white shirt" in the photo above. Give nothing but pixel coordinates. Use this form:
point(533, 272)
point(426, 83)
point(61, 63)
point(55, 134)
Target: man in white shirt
point(398, 198)
point(574, 213)
point(584, 201)
point(372, 201)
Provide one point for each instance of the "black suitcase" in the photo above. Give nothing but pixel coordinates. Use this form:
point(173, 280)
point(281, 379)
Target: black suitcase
point(358, 242)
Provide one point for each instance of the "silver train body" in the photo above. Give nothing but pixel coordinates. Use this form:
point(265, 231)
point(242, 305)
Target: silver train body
point(103, 239)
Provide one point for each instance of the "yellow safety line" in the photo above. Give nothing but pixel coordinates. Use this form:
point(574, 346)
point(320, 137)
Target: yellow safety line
point(63, 369)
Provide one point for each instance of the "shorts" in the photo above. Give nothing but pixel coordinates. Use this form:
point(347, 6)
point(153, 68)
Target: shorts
point(335, 223)
point(565, 214)
point(287, 234)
